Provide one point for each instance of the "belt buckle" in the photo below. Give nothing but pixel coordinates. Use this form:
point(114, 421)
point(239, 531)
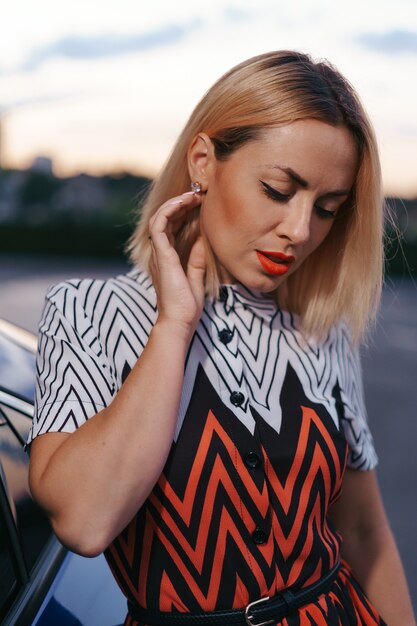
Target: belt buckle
point(249, 618)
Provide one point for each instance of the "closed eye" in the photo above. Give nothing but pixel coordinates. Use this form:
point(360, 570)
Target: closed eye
point(325, 213)
point(274, 194)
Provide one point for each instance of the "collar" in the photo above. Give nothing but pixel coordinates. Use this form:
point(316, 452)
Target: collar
point(232, 297)
point(236, 296)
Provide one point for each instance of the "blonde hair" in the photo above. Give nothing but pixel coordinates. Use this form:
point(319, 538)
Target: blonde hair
point(342, 278)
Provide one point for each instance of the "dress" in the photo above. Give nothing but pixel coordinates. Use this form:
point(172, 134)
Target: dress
point(266, 425)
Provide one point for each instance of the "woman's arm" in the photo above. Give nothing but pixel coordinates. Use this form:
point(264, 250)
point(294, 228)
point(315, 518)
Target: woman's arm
point(92, 482)
point(369, 547)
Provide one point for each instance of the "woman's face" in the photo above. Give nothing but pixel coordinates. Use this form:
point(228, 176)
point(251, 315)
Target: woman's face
point(273, 201)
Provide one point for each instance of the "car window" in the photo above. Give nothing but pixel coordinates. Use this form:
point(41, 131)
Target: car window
point(8, 578)
point(32, 524)
point(15, 358)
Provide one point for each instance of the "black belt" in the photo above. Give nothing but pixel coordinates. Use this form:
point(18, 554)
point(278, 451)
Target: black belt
point(258, 613)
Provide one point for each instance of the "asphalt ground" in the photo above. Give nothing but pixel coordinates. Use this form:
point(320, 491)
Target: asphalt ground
point(389, 369)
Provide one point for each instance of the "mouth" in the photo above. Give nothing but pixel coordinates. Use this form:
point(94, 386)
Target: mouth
point(275, 263)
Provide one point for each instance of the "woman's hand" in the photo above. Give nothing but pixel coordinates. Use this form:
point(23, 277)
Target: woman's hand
point(119, 455)
point(180, 295)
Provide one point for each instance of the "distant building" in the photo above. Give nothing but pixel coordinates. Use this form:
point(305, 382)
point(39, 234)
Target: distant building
point(82, 195)
point(42, 165)
point(3, 113)
point(10, 185)
point(1, 142)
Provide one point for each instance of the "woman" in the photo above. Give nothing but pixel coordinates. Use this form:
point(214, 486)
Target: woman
point(197, 414)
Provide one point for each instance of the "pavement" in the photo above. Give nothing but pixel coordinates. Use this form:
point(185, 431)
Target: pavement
point(389, 369)
point(390, 381)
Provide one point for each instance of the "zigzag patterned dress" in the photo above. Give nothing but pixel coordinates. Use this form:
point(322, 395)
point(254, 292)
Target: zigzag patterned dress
point(265, 428)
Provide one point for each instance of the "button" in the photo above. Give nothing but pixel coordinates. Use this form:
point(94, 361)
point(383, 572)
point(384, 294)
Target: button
point(223, 294)
point(259, 536)
point(237, 398)
point(225, 335)
point(252, 460)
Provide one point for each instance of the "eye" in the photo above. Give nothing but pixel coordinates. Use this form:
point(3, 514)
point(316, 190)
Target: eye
point(274, 194)
point(325, 213)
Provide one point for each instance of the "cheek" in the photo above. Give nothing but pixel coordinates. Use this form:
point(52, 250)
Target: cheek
point(221, 215)
point(214, 225)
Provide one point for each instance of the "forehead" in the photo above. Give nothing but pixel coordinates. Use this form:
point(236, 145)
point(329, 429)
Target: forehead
point(318, 152)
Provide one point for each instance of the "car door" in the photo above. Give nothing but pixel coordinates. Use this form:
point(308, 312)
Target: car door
point(41, 583)
point(29, 553)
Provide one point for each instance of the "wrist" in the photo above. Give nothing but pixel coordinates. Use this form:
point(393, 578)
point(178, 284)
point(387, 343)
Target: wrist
point(173, 332)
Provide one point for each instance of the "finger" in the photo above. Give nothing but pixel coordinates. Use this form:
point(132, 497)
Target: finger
point(174, 210)
point(166, 223)
point(196, 267)
point(187, 199)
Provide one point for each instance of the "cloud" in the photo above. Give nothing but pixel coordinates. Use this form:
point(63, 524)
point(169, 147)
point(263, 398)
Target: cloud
point(100, 46)
point(7, 106)
point(406, 129)
point(233, 13)
point(391, 42)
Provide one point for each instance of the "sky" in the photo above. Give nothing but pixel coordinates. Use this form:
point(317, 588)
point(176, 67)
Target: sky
point(103, 86)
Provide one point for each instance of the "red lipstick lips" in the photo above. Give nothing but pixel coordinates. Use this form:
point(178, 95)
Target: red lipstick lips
point(275, 263)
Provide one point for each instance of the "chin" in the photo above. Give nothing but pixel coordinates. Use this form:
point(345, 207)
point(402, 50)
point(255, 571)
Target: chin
point(262, 283)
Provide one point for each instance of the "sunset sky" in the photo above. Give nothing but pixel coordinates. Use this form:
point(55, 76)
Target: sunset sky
point(104, 86)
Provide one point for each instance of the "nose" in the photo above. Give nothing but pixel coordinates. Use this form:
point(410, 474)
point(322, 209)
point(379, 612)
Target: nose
point(295, 225)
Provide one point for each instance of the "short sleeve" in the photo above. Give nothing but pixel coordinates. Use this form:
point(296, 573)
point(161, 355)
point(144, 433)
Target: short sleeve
point(362, 454)
point(74, 379)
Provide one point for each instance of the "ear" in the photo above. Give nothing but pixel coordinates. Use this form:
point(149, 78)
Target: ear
point(201, 160)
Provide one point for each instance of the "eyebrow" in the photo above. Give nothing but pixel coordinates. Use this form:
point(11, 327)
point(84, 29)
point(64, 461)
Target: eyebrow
point(303, 183)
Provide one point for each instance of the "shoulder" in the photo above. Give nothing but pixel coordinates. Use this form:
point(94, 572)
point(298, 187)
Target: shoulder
point(77, 299)
point(346, 352)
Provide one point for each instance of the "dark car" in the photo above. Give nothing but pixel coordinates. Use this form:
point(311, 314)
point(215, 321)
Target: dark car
point(41, 583)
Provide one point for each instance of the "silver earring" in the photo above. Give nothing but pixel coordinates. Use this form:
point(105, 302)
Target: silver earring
point(196, 187)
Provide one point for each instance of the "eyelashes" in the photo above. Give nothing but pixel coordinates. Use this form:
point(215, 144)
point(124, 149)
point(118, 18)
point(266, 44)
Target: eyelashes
point(277, 196)
point(325, 213)
point(273, 194)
